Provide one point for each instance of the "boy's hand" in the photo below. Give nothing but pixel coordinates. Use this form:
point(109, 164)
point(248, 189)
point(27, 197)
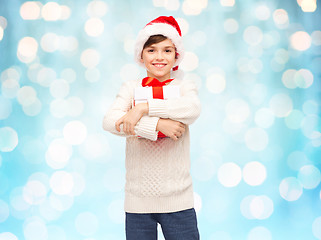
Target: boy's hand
point(130, 119)
point(170, 128)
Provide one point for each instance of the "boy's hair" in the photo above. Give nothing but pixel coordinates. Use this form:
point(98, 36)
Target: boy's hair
point(155, 39)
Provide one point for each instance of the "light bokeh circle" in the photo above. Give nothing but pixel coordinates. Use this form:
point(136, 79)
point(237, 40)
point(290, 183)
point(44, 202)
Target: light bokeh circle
point(229, 174)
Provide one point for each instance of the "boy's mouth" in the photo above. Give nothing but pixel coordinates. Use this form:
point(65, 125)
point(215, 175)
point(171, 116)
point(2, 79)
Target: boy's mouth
point(159, 65)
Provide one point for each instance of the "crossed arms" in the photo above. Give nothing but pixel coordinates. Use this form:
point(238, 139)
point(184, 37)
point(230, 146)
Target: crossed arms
point(168, 116)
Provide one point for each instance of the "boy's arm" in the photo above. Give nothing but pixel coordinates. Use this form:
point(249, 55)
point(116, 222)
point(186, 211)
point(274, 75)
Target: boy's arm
point(145, 127)
point(185, 109)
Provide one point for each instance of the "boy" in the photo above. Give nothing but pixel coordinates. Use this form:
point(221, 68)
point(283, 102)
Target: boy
point(158, 182)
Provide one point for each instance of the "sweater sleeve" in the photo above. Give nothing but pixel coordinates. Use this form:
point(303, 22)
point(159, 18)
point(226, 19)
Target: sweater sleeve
point(146, 126)
point(185, 109)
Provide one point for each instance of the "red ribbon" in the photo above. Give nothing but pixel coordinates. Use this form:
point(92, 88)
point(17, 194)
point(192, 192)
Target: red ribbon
point(157, 87)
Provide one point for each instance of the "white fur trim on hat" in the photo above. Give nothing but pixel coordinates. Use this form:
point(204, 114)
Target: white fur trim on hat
point(154, 29)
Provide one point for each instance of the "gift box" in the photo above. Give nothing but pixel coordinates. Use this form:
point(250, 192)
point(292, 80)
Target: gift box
point(142, 94)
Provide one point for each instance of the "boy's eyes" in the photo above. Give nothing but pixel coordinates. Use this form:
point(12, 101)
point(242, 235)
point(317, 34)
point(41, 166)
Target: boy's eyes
point(166, 50)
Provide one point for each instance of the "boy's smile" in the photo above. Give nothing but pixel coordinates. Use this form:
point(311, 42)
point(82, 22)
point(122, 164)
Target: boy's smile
point(159, 59)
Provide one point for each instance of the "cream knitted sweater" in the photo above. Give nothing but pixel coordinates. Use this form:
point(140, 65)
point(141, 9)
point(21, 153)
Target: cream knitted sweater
point(158, 176)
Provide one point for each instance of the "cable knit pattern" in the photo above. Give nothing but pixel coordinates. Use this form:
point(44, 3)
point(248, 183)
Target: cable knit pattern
point(157, 171)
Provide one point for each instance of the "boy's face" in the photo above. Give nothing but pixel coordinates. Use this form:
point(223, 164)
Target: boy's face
point(159, 59)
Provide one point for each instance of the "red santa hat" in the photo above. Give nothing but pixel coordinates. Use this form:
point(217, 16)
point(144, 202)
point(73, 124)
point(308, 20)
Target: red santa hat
point(166, 26)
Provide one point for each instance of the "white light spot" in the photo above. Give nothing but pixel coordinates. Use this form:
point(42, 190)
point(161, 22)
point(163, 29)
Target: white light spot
point(231, 25)
point(87, 223)
point(8, 236)
point(229, 174)
point(308, 5)
point(288, 78)
point(281, 105)
point(294, 119)
point(261, 233)
point(261, 207)
point(237, 110)
point(3, 22)
point(94, 27)
point(50, 42)
point(303, 78)
point(75, 132)
point(34, 193)
point(8, 139)
point(253, 35)
point(51, 11)
point(26, 95)
point(61, 202)
point(264, 118)
point(297, 159)
point(90, 58)
point(35, 229)
point(58, 154)
point(310, 125)
point(254, 173)
point(27, 49)
point(190, 62)
point(10, 88)
point(46, 76)
point(216, 83)
point(309, 176)
point(227, 3)
point(316, 227)
point(245, 206)
point(281, 18)
point(300, 41)
point(290, 189)
point(262, 12)
point(97, 8)
point(65, 12)
point(30, 10)
point(194, 7)
point(256, 139)
point(61, 183)
point(1, 33)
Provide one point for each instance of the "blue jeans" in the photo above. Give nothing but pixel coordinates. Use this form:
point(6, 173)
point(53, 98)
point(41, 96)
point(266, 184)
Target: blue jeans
point(180, 225)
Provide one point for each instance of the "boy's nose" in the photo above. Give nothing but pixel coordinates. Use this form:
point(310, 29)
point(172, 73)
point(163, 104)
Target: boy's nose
point(159, 55)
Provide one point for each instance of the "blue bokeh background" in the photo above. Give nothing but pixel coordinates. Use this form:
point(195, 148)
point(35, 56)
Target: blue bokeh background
point(255, 149)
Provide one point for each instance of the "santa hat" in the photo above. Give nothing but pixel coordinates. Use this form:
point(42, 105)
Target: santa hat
point(166, 26)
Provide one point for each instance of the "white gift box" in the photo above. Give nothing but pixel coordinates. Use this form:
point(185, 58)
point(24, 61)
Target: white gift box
point(142, 94)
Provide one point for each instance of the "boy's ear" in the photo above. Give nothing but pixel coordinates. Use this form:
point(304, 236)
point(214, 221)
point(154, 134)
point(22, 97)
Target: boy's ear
point(141, 60)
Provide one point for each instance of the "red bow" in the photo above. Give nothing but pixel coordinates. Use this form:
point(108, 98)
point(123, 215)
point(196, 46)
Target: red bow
point(157, 88)
point(153, 82)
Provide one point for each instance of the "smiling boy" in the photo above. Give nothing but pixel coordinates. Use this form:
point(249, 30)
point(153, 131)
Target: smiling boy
point(158, 183)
